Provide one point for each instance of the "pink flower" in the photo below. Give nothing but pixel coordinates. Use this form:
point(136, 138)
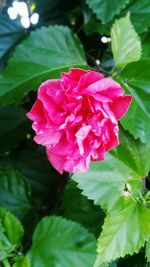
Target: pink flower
point(76, 118)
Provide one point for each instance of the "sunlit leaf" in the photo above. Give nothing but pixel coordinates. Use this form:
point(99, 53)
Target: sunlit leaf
point(125, 231)
point(126, 45)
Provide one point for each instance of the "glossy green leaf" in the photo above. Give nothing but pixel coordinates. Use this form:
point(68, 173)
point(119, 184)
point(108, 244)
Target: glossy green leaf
point(105, 10)
point(148, 250)
point(76, 207)
point(126, 45)
point(22, 262)
point(137, 119)
point(139, 81)
point(14, 127)
point(93, 24)
point(10, 33)
point(133, 153)
point(105, 181)
point(14, 192)
point(46, 53)
point(58, 242)
point(125, 231)
point(145, 46)
point(34, 165)
point(137, 122)
point(140, 14)
point(139, 11)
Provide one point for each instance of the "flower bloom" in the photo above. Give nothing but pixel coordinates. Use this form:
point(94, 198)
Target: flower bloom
point(76, 118)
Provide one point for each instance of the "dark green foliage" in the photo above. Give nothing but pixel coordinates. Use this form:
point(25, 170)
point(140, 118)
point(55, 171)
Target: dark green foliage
point(53, 220)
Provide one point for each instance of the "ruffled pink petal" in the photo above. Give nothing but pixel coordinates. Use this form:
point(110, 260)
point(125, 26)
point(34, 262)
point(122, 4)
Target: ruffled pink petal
point(105, 87)
point(52, 88)
point(48, 137)
point(98, 153)
point(35, 112)
point(70, 135)
point(81, 135)
point(83, 164)
point(70, 80)
point(80, 164)
point(62, 163)
point(88, 79)
point(73, 74)
point(57, 161)
point(39, 115)
point(110, 113)
point(48, 96)
point(95, 121)
point(71, 121)
point(120, 105)
point(73, 103)
point(110, 135)
point(64, 148)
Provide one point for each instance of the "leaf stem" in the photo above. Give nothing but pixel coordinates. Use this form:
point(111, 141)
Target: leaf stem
point(5, 263)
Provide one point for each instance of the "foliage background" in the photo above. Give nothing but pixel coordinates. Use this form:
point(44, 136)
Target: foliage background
point(47, 219)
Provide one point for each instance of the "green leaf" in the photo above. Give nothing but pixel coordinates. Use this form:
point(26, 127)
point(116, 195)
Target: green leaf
point(46, 53)
point(11, 32)
point(14, 192)
point(139, 11)
point(92, 24)
point(14, 127)
point(105, 181)
point(140, 14)
point(125, 231)
point(11, 233)
point(22, 262)
point(77, 207)
point(113, 264)
point(145, 46)
point(125, 166)
point(148, 250)
point(33, 164)
point(126, 45)
point(5, 245)
point(133, 153)
point(137, 119)
point(139, 81)
point(58, 242)
point(105, 10)
point(13, 228)
point(137, 122)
